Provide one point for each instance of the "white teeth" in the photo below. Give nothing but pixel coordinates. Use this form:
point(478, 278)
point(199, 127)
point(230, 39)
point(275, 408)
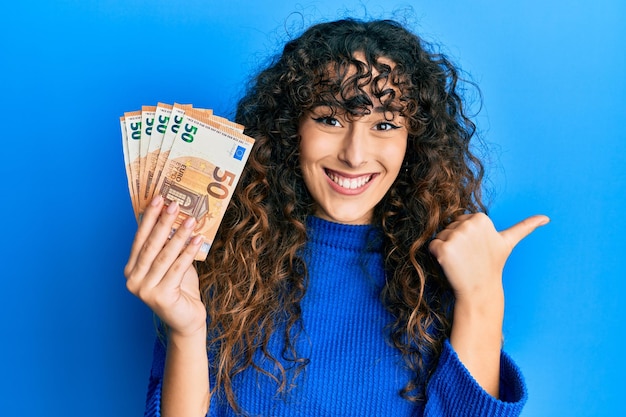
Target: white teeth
point(349, 183)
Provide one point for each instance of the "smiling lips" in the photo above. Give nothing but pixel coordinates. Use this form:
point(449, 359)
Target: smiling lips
point(349, 184)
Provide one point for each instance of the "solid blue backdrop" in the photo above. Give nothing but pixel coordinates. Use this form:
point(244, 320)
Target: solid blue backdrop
point(552, 75)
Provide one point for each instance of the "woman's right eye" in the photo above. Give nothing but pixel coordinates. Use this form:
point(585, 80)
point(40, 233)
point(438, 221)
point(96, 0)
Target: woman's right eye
point(327, 120)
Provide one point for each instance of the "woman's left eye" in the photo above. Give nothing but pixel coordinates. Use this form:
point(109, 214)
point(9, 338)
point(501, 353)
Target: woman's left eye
point(386, 126)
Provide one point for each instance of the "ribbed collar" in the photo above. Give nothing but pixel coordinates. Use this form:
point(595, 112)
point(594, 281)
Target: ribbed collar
point(344, 236)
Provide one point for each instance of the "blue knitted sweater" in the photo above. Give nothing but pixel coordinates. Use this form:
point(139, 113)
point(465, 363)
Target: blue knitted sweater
point(353, 371)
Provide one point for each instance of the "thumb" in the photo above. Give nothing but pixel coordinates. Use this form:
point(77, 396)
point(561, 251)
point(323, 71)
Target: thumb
point(514, 234)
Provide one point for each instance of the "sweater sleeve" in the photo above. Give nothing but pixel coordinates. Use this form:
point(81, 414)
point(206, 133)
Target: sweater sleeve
point(153, 397)
point(452, 391)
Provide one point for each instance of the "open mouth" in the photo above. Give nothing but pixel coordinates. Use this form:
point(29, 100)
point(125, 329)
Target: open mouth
point(353, 183)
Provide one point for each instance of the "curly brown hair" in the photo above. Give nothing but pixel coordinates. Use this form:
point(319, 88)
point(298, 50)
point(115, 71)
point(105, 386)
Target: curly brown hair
point(254, 279)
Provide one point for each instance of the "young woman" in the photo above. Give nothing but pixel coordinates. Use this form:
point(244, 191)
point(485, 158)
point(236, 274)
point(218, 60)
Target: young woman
point(355, 271)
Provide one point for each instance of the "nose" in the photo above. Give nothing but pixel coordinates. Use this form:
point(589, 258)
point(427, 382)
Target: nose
point(353, 151)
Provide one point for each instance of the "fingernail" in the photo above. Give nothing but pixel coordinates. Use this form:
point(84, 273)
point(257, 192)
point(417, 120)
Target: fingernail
point(156, 200)
point(189, 222)
point(172, 207)
point(197, 239)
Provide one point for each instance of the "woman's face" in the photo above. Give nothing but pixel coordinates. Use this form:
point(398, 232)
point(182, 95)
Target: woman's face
point(349, 163)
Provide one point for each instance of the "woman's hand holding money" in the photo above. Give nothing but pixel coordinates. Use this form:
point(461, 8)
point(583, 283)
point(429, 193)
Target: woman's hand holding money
point(160, 272)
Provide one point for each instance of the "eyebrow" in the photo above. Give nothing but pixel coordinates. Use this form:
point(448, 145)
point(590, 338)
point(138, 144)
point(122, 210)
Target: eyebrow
point(382, 110)
point(396, 111)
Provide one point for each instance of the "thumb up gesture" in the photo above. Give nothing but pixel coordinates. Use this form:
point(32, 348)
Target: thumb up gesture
point(472, 252)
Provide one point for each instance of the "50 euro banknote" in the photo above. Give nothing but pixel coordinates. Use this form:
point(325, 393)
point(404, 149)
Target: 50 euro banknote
point(200, 160)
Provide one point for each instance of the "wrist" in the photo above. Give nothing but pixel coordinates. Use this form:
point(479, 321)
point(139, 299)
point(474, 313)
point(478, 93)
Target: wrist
point(188, 337)
point(488, 300)
point(186, 389)
point(477, 321)
point(476, 336)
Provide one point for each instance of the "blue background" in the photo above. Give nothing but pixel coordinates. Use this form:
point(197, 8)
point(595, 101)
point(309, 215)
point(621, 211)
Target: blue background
point(552, 74)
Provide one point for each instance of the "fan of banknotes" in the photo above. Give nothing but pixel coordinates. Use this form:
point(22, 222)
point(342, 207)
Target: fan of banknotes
point(188, 155)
